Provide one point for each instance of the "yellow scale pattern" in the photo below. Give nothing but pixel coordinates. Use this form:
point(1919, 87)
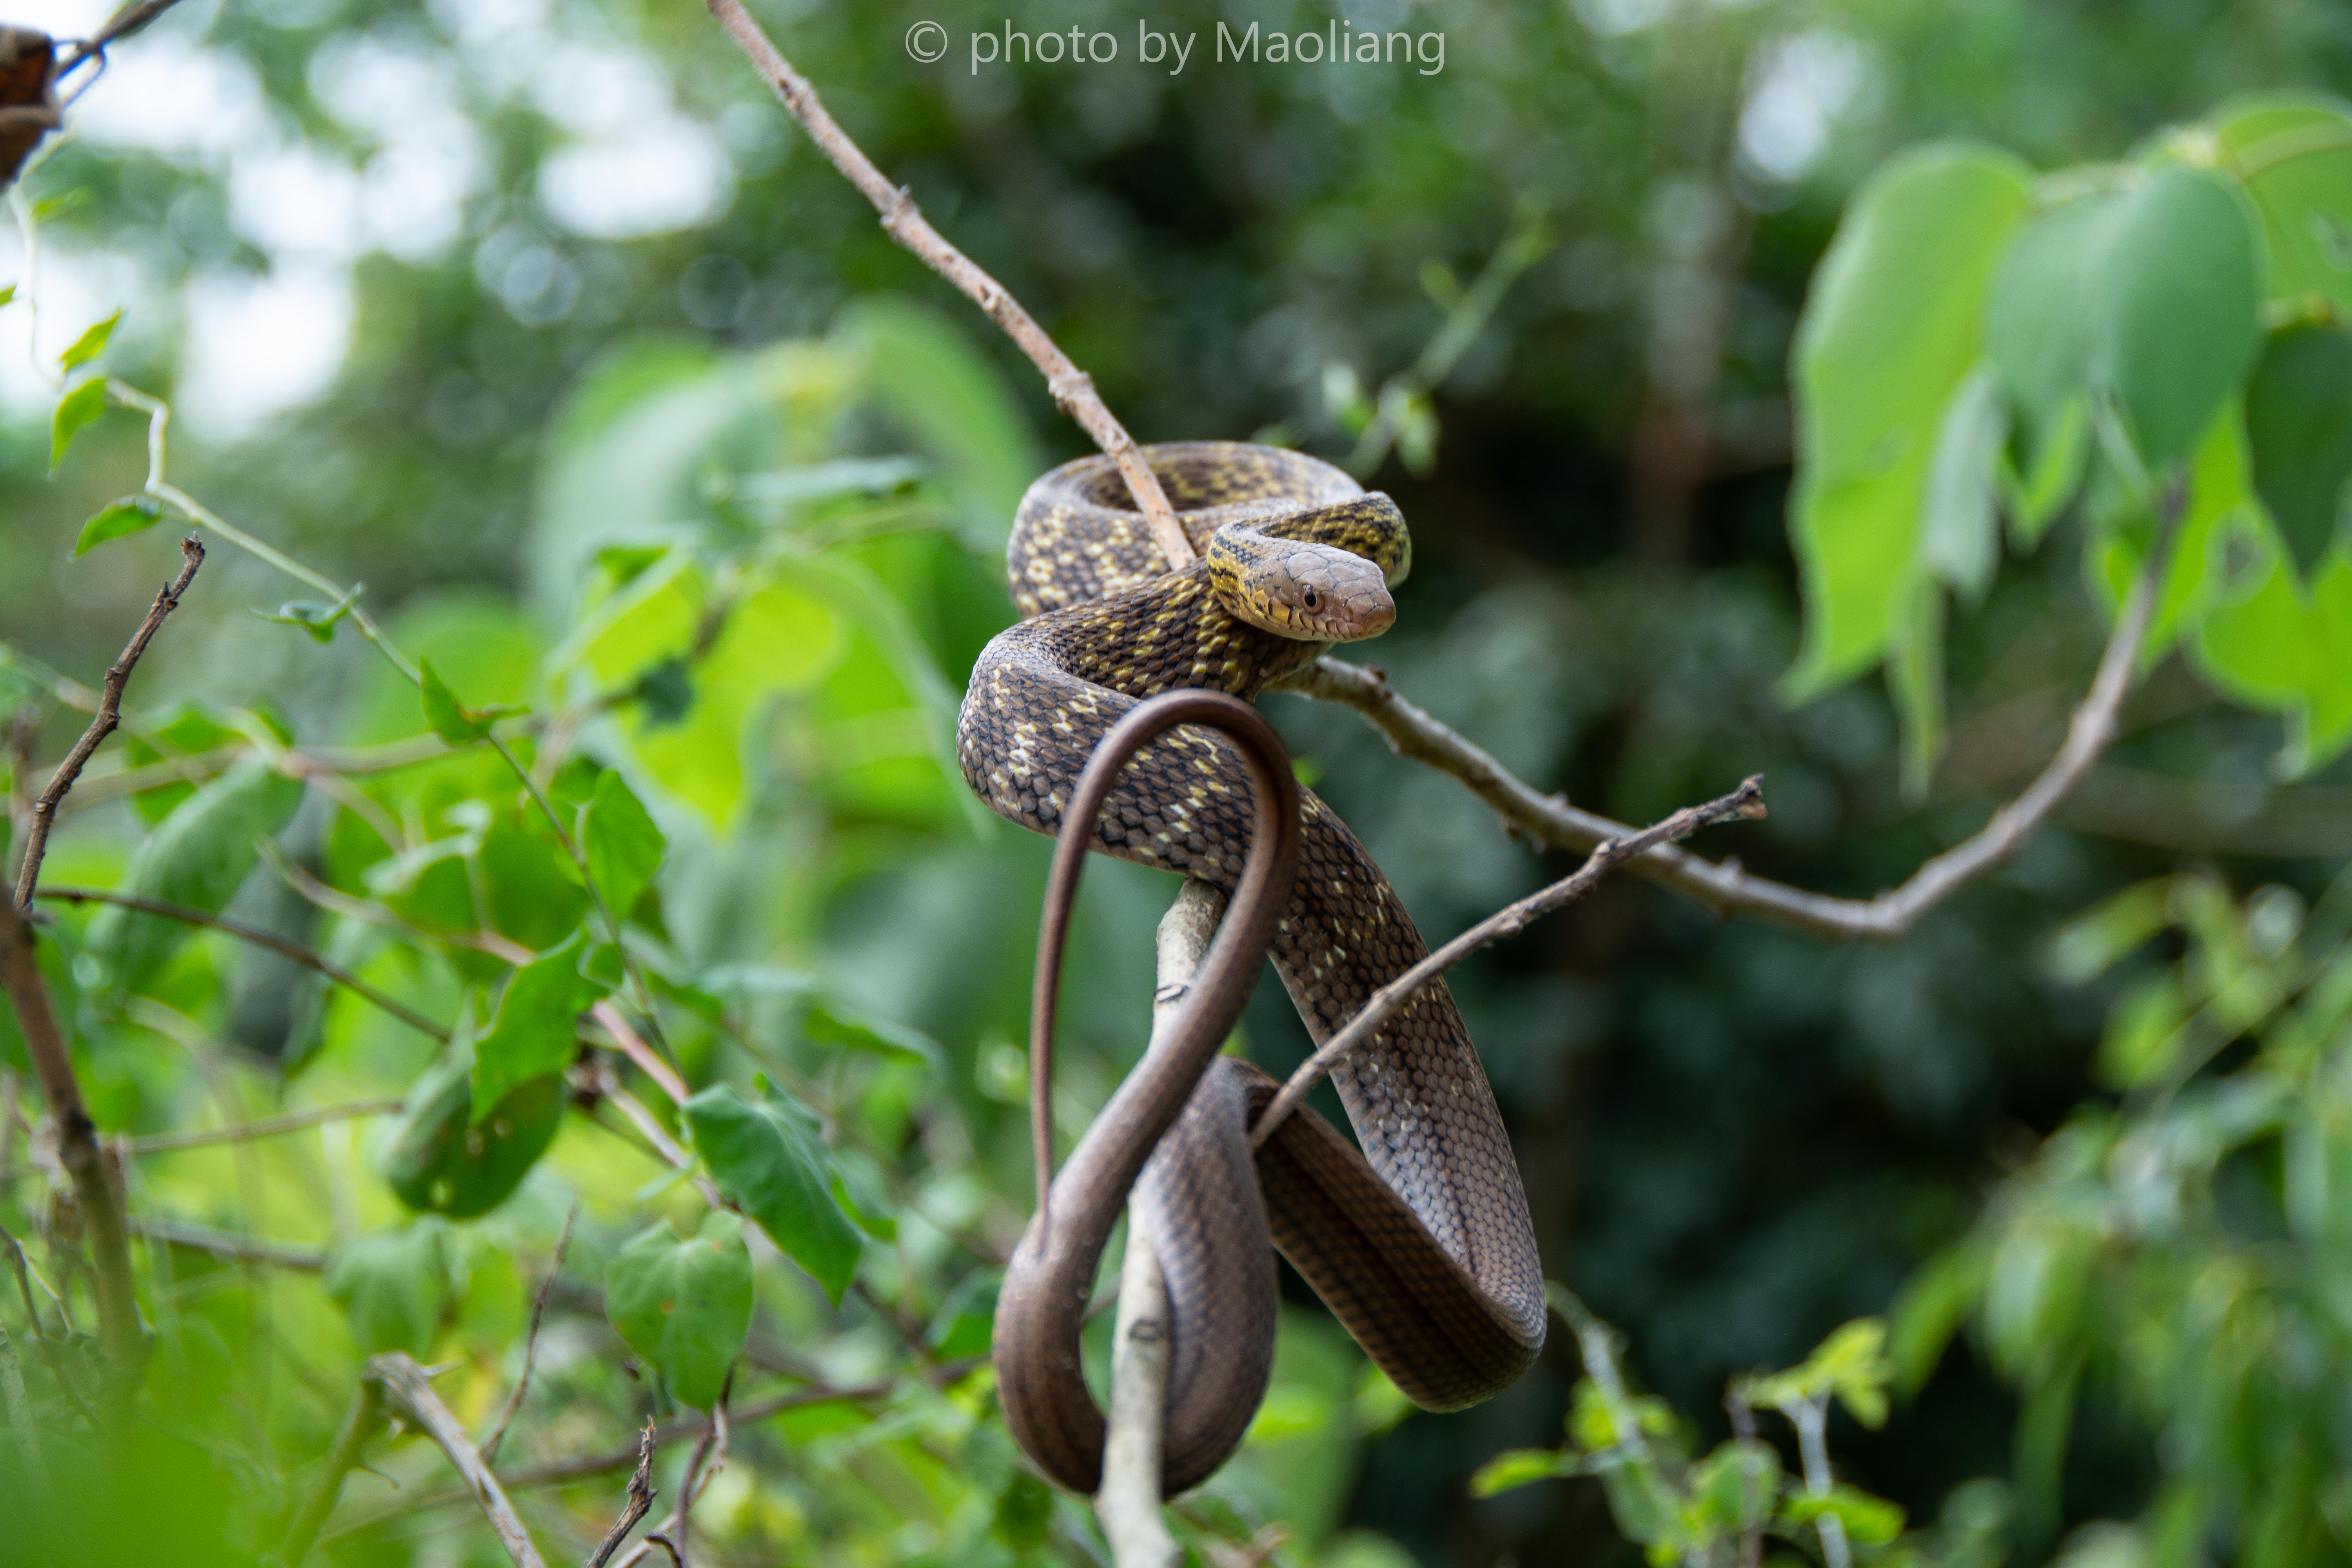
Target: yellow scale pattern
point(1108, 624)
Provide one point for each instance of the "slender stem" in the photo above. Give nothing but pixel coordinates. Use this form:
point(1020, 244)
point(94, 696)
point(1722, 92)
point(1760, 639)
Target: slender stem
point(110, 714)
point(612, 918)
point(78, 1151)
point(488, 1447)
point(1811, 1417)
point(1747, 801)
point(231, 1245)
point(1073, 389)
point(258, 938)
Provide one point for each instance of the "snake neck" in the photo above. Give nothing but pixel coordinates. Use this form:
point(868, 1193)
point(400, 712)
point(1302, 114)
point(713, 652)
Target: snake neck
point(1174, 630)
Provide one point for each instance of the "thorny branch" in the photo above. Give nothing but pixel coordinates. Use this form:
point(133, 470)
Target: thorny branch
point(1073, 390)
point(408, 1394)
point(110, 714)
point(1747, 801)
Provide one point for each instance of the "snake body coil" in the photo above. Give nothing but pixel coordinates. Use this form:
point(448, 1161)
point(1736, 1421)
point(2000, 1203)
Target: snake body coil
point(1421, 1244)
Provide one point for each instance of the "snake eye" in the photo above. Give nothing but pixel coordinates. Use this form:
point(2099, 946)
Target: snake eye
point(1312, 600)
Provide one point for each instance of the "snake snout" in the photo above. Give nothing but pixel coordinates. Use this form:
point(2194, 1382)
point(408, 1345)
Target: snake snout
point(1323, 594)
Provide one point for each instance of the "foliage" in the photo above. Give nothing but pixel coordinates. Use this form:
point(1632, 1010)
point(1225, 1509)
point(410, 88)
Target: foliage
point(688, 533)
point(2105, 339)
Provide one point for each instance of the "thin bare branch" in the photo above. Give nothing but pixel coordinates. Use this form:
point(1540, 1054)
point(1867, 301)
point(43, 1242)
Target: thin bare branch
point(256, 935)
point(489, 1445)
point(1073, 389)
point(634, 1047)
point(1724, 886)
point(1747, 801)
point(121, 25)
point(640, 1501)
point(1128, 1503)
point(408, 1394)
point(110, 714)
point(230, 1246)
point(266, 1127)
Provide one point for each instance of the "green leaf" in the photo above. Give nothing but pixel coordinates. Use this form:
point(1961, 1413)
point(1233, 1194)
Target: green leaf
point(7, 292)
point(533, 1034)
point(395, 1286)
point(685, 1306)
point(91, 344)
point(440, 1160)
point(2145, 1032)
point(1928, 1312)
point(1889, 332)
point(131, 514)
point(198, 856)
point(2088, 945)
point(1516, 1467)
point(1960, 534)
point(1738, 1484)
point(2293, 152)
point(2299, 429)
point(75, 409)
point(830, 1024)
point(966, 1324)
point(450, 719)
point(622, 845)
point(2182, 278)
point(931, 380)
point(1869, 1521)
point(314, 617)
point(2041, 316)
point(767, 1156)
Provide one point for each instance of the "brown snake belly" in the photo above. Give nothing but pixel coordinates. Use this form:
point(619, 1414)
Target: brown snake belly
point(1421, 1244)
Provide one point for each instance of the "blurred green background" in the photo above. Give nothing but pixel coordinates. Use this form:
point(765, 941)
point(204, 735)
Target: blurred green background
point(537, 318)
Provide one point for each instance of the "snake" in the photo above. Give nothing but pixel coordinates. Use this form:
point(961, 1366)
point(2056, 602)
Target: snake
point(1116, 715)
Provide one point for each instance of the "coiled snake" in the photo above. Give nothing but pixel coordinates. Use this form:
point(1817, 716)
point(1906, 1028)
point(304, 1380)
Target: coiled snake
point(1421, 1244)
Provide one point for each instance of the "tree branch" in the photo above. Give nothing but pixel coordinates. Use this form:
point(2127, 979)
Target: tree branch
point(408, 1394)
point(1073, 389)
point(110, 714)
point(1128, 1503)
point(1747, 801)
point(1723, 886)
point(640, 1501)
point(84, 1161)
point(278, 944)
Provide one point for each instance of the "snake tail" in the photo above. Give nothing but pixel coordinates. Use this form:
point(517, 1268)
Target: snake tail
point(1222, 1330)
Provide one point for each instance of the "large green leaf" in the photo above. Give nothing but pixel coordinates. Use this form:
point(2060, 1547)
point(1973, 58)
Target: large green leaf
point(2292, 153)
point(2299, 424)
point(440, 1160)
point(394, 1285)
point(198, 856)
point(622, 845)
point(2277, 648)
point(534, 1033)
point(2040, 317)
point(767, 1156)
point(1889, 332)
point(929, 378)
point(2180, 290)
point(2220, 511)
point(685, 1306)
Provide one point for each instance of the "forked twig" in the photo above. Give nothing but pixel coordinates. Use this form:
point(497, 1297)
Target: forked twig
point(110, 714)
point(1747, 801)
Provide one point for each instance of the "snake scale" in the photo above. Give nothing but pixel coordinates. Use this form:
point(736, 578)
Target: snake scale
point(1421, 1244)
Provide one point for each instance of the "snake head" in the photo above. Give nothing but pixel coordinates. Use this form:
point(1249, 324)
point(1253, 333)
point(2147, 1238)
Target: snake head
point(1315, 593)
